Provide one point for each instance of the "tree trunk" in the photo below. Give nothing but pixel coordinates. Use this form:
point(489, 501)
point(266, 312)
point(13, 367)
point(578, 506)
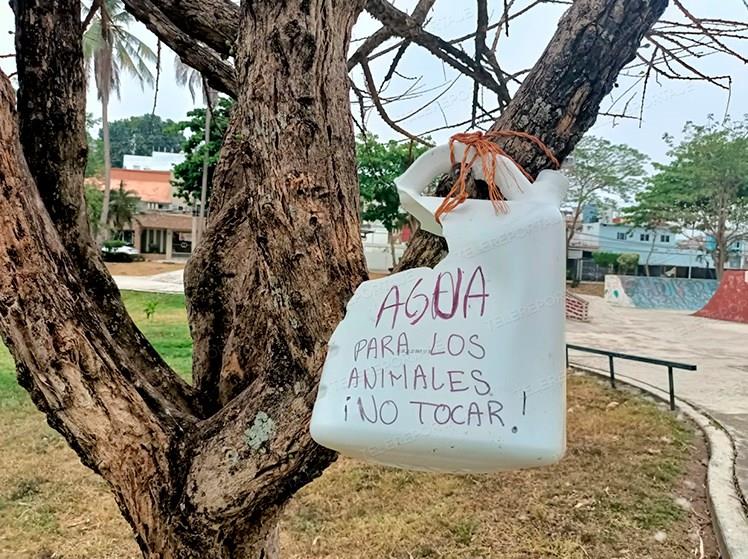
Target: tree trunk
point(559, 99)
point(205, 472)
point(393, 252)
point(104, 221)
point(651, 250)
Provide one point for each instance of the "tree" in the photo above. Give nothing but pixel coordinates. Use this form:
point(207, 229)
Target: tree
point(123, 206)
point(188, 174)
point(704, 187)
point(94, 199)
point(111, 49)
point(95, 161)
point(627, 262)
point(192, 78)
point(602, 174)
point(378, 165)
point(607, 260)
point(649, 214)
point(205, 469)
point(141, 135)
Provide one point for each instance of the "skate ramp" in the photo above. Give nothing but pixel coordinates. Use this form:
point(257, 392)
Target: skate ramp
point(730, 301)
point(658, 293)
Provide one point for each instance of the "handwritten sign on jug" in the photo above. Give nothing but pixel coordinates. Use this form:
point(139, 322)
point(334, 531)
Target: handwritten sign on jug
point(461, 367)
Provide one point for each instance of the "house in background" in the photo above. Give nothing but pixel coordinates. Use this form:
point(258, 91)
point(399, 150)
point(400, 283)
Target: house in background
point(157, 161)
point(662, 252)
point(164, 224)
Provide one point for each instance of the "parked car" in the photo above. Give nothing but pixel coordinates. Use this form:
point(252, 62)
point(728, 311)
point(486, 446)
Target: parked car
point(117, 251)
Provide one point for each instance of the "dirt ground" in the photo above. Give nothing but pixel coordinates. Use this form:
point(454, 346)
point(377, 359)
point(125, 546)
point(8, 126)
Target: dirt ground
point(588, 288)
point(616, 494)
point(145, 268)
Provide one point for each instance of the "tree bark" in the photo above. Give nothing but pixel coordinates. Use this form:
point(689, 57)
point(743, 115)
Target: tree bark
point(284, 207)
point(559, 99)
point(52, 124)
point(205, 472)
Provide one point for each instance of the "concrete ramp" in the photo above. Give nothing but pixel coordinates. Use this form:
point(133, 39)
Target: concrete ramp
point(730, 301)
point(658, 293)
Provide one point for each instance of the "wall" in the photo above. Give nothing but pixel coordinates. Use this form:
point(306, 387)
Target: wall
point(658, 293)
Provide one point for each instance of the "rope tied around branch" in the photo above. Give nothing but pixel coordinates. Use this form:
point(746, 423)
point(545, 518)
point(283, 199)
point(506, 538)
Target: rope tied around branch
point(486, 150)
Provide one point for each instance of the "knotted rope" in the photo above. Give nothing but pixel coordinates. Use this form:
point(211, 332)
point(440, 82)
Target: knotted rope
point(486, 150)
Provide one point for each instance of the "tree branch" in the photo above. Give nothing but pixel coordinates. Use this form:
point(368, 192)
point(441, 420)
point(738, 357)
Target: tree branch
point(51, 119)
point(560, 98)
point(408, 28)
point(219, 73)
point(372, 87)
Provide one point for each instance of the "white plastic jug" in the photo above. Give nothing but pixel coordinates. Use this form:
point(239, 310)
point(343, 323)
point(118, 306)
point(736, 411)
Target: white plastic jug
point(459, 368)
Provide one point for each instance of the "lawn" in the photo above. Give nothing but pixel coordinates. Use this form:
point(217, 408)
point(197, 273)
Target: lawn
point(631, 472)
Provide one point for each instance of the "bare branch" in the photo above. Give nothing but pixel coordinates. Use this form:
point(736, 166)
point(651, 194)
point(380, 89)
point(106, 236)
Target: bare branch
point(380, 109)
point(406, 27)
point(220, 75)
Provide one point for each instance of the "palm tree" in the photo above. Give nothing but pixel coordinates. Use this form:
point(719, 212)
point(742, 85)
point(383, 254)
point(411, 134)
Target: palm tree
point(193, 79)
point(123, 205)
point(111, 49)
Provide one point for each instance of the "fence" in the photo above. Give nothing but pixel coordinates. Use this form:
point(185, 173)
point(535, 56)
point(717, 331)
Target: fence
point(576, 307)
point(614, 354)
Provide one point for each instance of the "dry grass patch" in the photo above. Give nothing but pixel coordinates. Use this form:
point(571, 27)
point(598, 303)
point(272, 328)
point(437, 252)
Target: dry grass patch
point(145, 268)
point(627, 462)
point(596, 288)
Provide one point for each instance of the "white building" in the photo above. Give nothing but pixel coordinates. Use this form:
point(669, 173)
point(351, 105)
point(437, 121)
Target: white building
point(663, 251)
point(157, 161)
point(377, 248)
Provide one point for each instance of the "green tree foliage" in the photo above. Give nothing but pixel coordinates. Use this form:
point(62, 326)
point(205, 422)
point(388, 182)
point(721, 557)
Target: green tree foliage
point(606, 259)
point(188, 174)
point(94, 200)
point(602, 174)
point(123, 205)
point(704, 187)
point(95, 158)
point(379, 164)
point(627, 262)
point(141, 135)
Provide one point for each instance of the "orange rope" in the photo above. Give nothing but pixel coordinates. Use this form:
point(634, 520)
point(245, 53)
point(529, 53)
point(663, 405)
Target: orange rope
point(485, 149)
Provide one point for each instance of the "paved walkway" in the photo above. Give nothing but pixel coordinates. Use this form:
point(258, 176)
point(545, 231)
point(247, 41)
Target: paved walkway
point(719, 349)
point(168, 282)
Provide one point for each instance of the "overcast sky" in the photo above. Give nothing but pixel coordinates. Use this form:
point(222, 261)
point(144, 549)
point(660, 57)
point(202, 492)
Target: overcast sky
point(667, 106)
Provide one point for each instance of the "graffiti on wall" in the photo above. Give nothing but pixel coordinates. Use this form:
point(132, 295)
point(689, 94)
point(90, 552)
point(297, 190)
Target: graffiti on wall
point(659, 293)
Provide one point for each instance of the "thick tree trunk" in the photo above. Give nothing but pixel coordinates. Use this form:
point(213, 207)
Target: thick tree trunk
point(205, 473)
point(284, 207)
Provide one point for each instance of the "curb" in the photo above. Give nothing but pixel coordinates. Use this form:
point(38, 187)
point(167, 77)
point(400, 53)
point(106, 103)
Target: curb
point(728, 516)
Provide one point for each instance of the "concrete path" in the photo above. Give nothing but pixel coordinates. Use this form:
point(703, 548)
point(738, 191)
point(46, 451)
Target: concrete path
point(168, 282)
point(720, 350)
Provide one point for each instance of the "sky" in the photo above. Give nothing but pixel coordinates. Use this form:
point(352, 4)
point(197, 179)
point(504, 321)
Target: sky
point(668, 104)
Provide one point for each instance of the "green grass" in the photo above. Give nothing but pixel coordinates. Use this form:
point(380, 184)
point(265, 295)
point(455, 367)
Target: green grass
point(616, 486)
point(167, 330)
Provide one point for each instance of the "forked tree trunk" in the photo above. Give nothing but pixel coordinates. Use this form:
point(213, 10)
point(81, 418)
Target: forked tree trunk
point(204, 472)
